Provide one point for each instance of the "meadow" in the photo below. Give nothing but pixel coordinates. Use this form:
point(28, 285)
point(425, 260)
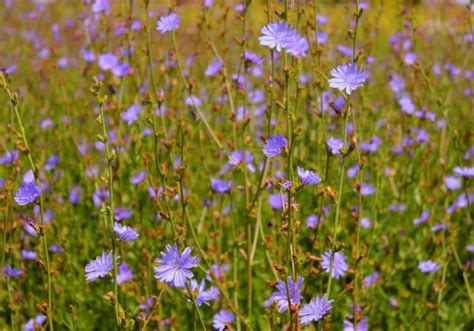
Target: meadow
point(226, 165)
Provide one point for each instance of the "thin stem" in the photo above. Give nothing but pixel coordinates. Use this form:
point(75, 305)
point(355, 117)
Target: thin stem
point(13, 97)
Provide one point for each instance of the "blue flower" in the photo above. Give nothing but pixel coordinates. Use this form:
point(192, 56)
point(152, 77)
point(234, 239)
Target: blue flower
point(220, 186)
point(347, 77)
point(132, 114)
point(121, 69)
point(107, 61)
point(29, 255)
point(339, 267)
point(174, 268)
point(281, 295)
point(308, 177)
point(101, 266)
point(315, 310)
point(9, 157)
point(222, 320)
point(280, 36)
point(34, 323)
point(122, 214)
point(312, 221)
point(371, 279)
point(275, 146)
point(423, 218)
point(203, 295)
point(213, 68)
point(334, 145)
point(298, 46)
point(276, 35)
point(138, 177)
point(464, 171)
point(100, 6)
point(168, 23)
point(27, 193)
point(125, 233)
point(359, 326)
point(12, 272)
point(124, 274)
point(277, 200)
point(366, 189)
point(428, 266)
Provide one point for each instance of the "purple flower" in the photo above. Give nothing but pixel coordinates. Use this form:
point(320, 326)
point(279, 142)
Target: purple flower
point(315, 310)
point(410, 58)
point(138, 177)
point(122, 214)
point(51, 163)
point(125, 233)
point(132, 114)
point(217, 270)
point(347, 77)
point(360, 326)
point(397, 84)
point(12, 272)
point(353, 171)
point(204, 296)
point(371, 279)
point(107, 61)
point(9, 157)
point(87, 55)
point(406, 104)
point(213, 68)
point(34, 323)
point(121, 69)
point(54, 248)
point(276, 200)
point(124, 274)
point(366, 189)
point(452, 183)
point(423, 218)
point(334, 145)
point(27, 193)
point(464, 171)
point(298, 46)
point(397, 207)
point(100, 6)
point(174, 268)
point(99, 196)
point(222, 320)
point(236, 158)
point(275, 146)
point(253, 58)
point(439, 227)
point(168, 23)
point(308, 177)
point(312, 221)
point(193, 101)
point(428, 266)
point(276, 35)
point(99, 267)
point(322, 37)
point(365, 223)
point(371, 146)
point(29, 255)
point(339, 267)
point(220, 186)
point(280, 296)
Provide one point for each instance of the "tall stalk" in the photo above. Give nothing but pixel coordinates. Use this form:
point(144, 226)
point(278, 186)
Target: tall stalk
point(109, 210)
point(13, 97)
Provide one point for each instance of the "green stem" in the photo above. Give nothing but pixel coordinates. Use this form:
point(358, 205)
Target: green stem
point(14, 102)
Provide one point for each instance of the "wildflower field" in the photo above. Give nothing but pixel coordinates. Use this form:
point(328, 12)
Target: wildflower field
point(225, 165)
